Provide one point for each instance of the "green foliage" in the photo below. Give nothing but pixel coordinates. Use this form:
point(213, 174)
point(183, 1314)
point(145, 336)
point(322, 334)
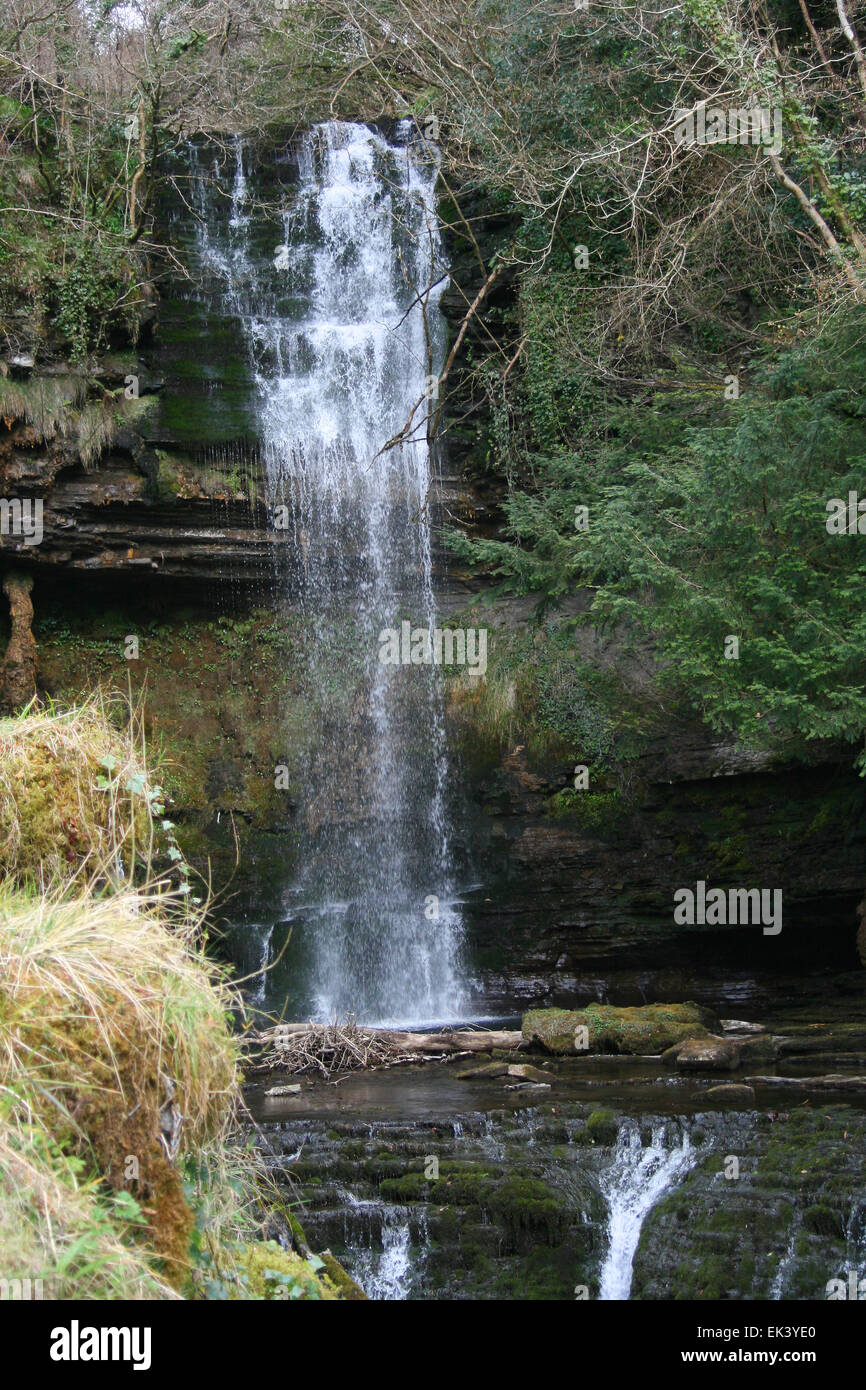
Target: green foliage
point(707, 520)
point(84, 293)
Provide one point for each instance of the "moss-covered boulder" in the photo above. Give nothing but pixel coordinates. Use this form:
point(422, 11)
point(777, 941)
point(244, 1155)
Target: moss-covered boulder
point(646, 1030)
point(602, 1127)
point(489, 1071)
point(729, 1093)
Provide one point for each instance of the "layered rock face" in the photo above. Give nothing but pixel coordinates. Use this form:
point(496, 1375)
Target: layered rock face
point(147, 461)
point(572, 898)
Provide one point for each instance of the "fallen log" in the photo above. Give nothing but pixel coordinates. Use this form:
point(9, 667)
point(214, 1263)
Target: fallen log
point(445, 1040)
point(333, 1047)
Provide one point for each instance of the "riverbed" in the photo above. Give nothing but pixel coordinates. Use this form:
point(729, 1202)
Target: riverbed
point(613, 1178)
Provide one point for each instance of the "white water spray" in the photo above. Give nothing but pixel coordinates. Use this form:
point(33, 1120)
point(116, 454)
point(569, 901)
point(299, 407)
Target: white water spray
point(632, 1185)
point(343, 329)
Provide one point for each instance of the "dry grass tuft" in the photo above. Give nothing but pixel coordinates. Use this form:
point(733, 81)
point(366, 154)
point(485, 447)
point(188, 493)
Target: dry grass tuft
point(117, 1055)
point(73, 794)
point(115, 1040)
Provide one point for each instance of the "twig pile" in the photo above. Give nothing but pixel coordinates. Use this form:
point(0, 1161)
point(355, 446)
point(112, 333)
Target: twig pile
point(333, 1047)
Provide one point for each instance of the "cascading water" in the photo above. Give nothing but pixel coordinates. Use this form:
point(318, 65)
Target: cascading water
point(385, 1273)
point(634, 1182)
point(344, 333)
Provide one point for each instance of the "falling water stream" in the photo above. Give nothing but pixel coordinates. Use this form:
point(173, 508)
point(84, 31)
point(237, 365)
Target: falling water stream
point(343, 330)
point(638, 1176)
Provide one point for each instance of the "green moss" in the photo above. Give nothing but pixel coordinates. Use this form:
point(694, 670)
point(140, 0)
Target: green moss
point(294, 1225)
point(345, 1285)
point(602, 1127)
point(274, 1273)
point(527, 1206)
point(410, 1187)
point(600, 812)
point(646, 1030)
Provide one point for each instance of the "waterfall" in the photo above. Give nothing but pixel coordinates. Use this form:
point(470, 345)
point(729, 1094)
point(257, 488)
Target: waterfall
point(342, 327)
point(387, 1275)
point(638, 1176)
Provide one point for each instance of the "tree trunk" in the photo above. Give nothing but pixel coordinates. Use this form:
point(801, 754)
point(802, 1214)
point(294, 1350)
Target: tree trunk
point(462, 1040)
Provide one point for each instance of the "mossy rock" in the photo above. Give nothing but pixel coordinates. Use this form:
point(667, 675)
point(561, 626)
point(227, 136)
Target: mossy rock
point(489, 1071)
point(409, 1187)
point(277, 1274)
point(824, 1221)
point(645, 1030)
point(602, 1127)
point(343, 1282)
point(527, 1206)
point(731, 1094)
point(299, 1238)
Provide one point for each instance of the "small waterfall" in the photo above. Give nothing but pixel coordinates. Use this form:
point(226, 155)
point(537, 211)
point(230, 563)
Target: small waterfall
point(788, 1261)
point(381, 1257)
point(634, 1182)
point(384, 1276)
point(855, 1238)
point(342, 327)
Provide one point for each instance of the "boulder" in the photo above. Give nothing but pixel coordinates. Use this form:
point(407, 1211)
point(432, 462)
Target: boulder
point(720, 1054)
point(489, 1070)
point(645, 1030)
point(528, 1073)
point(730, 1093)
point(708, 1053)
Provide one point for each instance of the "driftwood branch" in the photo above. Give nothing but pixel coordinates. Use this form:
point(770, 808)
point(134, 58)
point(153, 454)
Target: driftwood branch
point(333, 1047)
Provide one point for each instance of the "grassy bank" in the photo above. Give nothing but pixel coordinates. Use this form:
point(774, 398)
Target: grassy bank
point(122, 1169)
